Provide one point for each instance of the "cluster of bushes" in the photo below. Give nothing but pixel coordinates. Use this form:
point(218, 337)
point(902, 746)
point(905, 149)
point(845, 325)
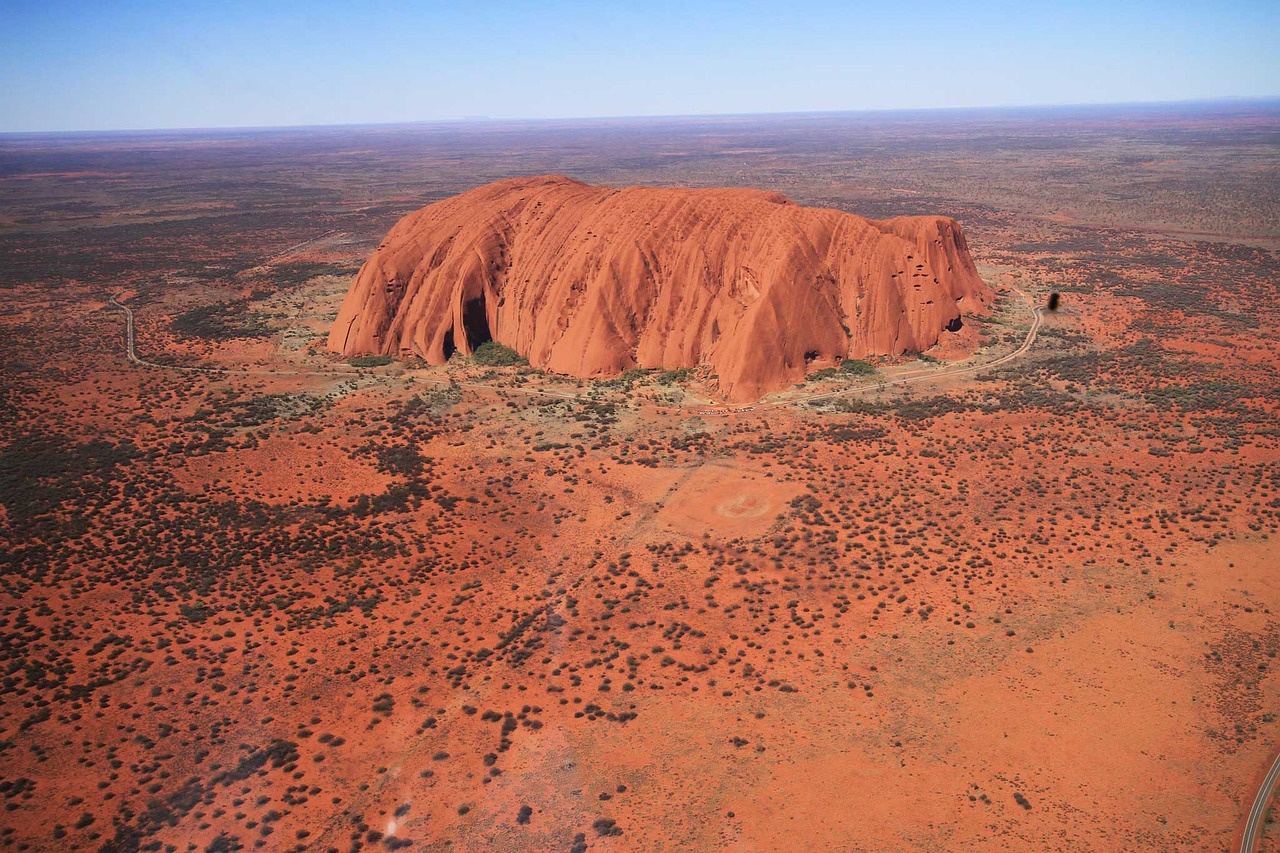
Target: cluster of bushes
point(433, 402)
point(197, 613)
point(39, 472)
point(370, 361)
point(1207, 396)
point(399, 460)
point(300, 272)
point(674, 377)
point(931, 407)
point(850, 406)
point(266, 408)
point(848, 367)
point(221, 321)
point(627, 378)
point(494, 354)
point(857, 367)
point(842, 434)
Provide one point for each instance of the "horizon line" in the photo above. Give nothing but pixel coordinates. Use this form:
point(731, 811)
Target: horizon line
point(487, 120)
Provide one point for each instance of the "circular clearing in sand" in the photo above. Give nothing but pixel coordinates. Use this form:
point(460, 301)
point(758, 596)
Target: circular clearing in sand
point(743, 506)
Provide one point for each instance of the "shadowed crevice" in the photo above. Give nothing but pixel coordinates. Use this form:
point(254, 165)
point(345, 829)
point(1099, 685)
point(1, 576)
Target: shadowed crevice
point(475, 323)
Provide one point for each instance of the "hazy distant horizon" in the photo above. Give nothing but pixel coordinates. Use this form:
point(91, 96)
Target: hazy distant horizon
point(995, 109)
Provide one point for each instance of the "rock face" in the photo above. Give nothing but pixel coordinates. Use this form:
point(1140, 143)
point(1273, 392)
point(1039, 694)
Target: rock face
point(590, 281)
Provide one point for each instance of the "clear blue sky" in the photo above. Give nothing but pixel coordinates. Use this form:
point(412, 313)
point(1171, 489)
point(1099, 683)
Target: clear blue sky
point(104, 64)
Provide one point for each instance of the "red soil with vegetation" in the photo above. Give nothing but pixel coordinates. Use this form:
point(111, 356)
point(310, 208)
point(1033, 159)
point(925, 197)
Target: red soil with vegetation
point(287, 603)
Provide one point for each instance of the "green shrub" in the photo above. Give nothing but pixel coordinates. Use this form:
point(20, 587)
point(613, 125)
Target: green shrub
point(222, 321)
point(672, 377)
point(857, 367)
point(606, 826)
point(494, 354)
point(370, 361)
point(197, 613)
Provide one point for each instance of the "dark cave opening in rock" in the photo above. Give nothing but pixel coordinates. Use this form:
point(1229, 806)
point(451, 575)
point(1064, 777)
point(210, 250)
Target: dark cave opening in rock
point(475, 323)
point(955, 325)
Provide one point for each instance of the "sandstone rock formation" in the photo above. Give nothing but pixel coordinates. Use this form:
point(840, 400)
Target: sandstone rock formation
point(590, 281)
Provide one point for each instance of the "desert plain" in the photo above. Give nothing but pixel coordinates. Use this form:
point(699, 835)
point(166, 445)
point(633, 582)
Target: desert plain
point(1016, 593)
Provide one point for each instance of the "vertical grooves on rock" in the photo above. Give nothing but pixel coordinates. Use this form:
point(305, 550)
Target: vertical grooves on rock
point(591, 280)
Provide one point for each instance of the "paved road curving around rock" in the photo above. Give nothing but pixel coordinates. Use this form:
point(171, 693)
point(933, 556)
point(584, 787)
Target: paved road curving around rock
point(1254, 822)
point(131, 353)
point(702, 409)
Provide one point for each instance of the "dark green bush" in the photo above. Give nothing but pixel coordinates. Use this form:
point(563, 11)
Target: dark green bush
point(370, 361)
point(857, 367)
point(221, 321)
point(494, 354)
